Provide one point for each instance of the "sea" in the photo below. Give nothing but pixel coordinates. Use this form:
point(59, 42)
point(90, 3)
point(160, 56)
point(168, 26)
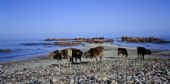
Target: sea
point(20, 52)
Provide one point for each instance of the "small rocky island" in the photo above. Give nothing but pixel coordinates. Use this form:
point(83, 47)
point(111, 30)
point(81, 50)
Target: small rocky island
point(78, 41)
point(143, 39)
point(70, 41)
point(87, 40)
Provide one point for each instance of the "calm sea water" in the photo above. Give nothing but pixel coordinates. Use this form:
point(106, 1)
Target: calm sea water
point(22, 52)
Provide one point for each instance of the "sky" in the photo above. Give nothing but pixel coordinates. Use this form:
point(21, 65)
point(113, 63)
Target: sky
point(83, 18)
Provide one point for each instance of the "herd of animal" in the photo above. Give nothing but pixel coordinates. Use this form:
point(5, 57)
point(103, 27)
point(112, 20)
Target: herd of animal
point(72, 54)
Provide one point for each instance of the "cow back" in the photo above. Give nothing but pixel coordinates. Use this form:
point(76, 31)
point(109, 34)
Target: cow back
point(67, 53)
point(141, 50)
point(122, 51)
point(96, 51)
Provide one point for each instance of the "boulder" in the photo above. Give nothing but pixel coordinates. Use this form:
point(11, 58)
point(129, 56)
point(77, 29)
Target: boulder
point(65, 43)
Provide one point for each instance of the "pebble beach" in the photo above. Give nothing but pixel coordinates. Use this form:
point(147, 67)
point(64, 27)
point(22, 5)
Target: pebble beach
point(155, 69)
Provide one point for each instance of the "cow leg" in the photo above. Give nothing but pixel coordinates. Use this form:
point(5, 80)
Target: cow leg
point(76, 59)
point(139, 56)
point(96, 58)
point(126, 55)
point(91, 59)
point(59, 62)
point(72, 59)
point(69, 60)
point(118, 54)
point(143, 57)
point(123, 55)
point(80, 60)
point(100, 58)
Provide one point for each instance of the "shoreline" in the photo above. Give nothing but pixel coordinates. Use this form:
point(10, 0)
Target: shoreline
point(107, 47)
point(42, 57)
point(111, 70)
point(20, 54)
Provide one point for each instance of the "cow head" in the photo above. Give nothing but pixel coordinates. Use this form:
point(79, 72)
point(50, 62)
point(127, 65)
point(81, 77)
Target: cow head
point(86, 54)
point(55, 54)
point(51, 55)
point(148, 52)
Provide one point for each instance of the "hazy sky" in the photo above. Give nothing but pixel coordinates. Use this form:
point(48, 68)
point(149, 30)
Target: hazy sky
point(79, 18)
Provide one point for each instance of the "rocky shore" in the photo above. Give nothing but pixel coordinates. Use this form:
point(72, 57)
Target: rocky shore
point(108, 72)
point(155, 69)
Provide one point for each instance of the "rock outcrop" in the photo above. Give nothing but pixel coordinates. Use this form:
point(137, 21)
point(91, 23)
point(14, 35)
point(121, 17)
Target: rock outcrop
point(141, 39)
point(69, 41)
point(65, 43)
point(5, 50)
point(57, 39)
point(87, 40)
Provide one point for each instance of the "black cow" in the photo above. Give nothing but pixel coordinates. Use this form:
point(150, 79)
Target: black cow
point(77, 54)
point(142, 52)
point(122, 51)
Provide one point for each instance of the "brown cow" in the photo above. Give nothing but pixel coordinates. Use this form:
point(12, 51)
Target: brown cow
point(122, 51)
point(95, 52)
point(67, 53)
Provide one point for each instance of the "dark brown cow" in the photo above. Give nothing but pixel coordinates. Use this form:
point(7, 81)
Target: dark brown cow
point(142, 52)
point(95, 52)
point(122, 51)
point(55, 55)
